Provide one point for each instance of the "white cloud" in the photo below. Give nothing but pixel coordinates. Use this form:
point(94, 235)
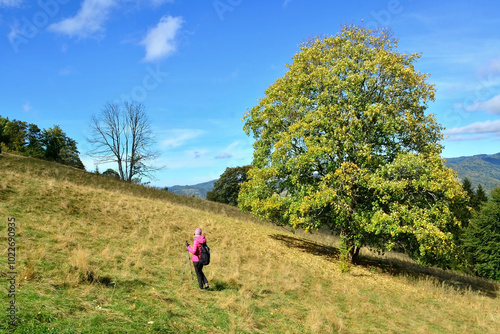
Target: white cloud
point(178, 137)
point(285, 3)
point(487, 127)
point(492, 106)
point(160, 40)
point(10, 3)
point(88, 21)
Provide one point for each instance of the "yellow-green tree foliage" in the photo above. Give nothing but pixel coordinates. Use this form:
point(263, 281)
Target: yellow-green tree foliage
point(342, 140)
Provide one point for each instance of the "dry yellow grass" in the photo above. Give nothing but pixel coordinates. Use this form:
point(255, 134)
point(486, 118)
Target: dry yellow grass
point(115, 259)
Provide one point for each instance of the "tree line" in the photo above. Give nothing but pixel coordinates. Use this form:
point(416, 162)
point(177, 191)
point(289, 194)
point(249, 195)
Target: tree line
point(49, 144)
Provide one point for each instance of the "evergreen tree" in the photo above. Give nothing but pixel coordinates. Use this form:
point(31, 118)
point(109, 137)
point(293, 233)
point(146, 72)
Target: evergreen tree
point(467, 185)
point(479, 198)
point(482, 238)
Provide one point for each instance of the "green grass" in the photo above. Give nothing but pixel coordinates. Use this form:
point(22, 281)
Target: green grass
point(95, 255)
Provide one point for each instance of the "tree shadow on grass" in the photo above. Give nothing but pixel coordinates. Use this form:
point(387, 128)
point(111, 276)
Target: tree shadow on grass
point(220, 285)
point(445, 278)
point(329, 253)
point(397, 267)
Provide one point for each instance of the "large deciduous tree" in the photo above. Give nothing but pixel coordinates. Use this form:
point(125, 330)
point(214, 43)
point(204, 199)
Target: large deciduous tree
point(58, 147)
point(123, 135)
point(342, 140)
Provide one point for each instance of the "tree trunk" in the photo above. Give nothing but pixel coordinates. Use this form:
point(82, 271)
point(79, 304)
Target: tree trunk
point(350, 250)
point(353, 254)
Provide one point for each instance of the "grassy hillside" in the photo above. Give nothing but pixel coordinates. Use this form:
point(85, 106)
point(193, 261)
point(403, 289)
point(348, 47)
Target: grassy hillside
point(481, 169)
point(95, 255)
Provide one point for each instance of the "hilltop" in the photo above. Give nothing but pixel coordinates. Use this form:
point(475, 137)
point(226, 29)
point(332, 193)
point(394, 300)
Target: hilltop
point(198, 190)
point(96, 255)
point(481, 169)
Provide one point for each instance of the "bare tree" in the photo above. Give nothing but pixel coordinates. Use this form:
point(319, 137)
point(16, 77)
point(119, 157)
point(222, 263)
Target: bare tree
point(124, 135)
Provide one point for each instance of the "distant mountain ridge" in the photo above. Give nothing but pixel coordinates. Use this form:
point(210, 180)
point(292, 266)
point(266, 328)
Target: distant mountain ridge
point(481, 169)
point(197, 190)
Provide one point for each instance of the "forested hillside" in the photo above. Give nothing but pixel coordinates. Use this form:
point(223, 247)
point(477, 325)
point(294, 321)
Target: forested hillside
point(481, 169)
point(197, 190)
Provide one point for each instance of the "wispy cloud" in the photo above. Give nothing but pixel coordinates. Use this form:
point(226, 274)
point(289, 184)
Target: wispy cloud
point(487, 127)
point(286, 2)
point(160, 41)
point(10, 3)
point(28, 109)
point(491, 67)
point(178, 137)
point(88, 22)
point(65, 71)
point(492, 106)
point(468, 138)
point(236, 150)
point(27, 106)
point(157, 3)
point(231, 76)
point(224, 156)
point(192, 158)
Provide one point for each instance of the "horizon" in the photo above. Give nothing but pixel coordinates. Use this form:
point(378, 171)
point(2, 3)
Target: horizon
point(198, 68)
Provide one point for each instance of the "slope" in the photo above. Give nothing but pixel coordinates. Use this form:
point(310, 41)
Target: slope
point(481, 169)
point(95, 255)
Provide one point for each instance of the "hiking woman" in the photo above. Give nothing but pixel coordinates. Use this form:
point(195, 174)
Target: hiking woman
point(196, 251)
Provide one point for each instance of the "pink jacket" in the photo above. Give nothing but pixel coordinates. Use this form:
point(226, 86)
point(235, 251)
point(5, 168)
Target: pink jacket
point(196, 249)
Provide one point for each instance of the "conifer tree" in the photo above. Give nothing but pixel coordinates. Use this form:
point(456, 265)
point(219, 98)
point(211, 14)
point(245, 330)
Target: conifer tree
point(482, 238)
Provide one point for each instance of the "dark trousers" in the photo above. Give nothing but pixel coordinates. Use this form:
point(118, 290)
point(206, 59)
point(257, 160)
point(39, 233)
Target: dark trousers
point(202, 280)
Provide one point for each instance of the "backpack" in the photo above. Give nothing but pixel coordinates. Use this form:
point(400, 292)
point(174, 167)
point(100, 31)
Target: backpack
point(205, 254)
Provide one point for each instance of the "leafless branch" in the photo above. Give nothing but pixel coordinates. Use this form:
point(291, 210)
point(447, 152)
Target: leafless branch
point(124, 135)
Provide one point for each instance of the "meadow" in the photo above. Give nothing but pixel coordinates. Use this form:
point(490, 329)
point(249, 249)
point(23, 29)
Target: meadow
point(96, 255)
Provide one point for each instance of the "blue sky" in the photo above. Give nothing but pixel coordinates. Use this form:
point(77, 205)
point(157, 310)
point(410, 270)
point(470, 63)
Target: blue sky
point(197, 66)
